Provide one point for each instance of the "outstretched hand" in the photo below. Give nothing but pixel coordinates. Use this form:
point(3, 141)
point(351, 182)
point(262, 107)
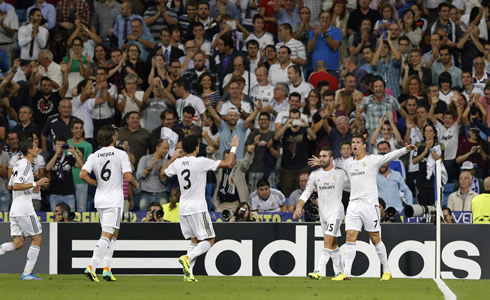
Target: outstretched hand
point(313, 161)
point(410, 147)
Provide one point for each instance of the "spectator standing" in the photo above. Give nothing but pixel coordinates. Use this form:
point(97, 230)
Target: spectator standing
point(122, 26)
point(137, 137)
point(298, 51)
point(83, 150)
point(278, 72)
point(287, 12)
point(103, 17)
point(60, 166)
point(78, 65)
point(462, 198)
point(32, 36)
point(26, 126)
point(386, 131)
point(138, 37)
point(9, 24)
point(58, 124)
point(181, 90)
point(297, 83)
point(159, 102)
point(362, 12)
point(446, 65)
point(158, 17)
point(390, 186)
point(387, 62)
point(69, 10)
point(130, 99)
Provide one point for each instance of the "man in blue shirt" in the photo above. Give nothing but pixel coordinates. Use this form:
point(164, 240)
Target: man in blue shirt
point(48, 12)
point(324, 44)
point(122, 26)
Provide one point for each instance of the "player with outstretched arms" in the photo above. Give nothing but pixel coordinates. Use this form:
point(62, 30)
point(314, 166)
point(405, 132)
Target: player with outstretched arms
point(23, 218)
point(195, 221)
point(329, 183)
point(363, 209)
point(109, 165)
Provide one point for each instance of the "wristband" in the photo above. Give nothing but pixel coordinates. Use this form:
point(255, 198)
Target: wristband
point(34, 184)
point(233, 150)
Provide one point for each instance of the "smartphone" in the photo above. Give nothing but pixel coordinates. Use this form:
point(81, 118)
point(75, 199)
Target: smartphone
point(232, 24)
point(297, 123)
point(65, 146)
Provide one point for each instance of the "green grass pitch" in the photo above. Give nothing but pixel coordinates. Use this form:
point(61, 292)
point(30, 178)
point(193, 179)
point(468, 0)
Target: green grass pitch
point(172, 287)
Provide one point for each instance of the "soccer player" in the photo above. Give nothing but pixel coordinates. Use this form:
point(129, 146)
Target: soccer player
point(23, 218)
point(329, 183)
point(363, 209)
point(195, 221)
point(109, 165)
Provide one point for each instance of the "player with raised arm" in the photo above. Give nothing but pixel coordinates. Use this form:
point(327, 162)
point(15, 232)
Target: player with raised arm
point(109, 165)
point(23, 218)
point(329, 183)
point(195, 221)
point(363, 209)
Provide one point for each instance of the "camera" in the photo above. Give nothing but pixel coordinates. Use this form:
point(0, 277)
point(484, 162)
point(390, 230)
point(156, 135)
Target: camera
point(417, 210)
point(156, 214)
point(241, 212)
point(390, 215)
point(65, 146)
point(312, 214)
point(227, 214)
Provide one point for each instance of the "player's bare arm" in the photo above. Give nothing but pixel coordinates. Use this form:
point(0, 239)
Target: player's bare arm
point(230, 160)
point(85, 177)
point(131, 180)
point(43, 182)
point(177, 154)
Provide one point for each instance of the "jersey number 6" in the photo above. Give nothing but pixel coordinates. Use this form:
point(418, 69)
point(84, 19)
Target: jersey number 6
point(105, 174)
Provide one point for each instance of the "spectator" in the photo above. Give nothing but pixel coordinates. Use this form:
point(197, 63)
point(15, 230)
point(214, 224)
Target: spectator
point(474, 149)
point(58, 124)
point(232, 187)
point(9, 24)
point(103, 112)
point(381, 27)
point(468, 86)
point(211, 26)
point(320, 74)
point(225, 57)
point(89, 39)
point(433, 54)
point(138, 37)
point(294, 137)
point(12, 141)
point(350, 84)
point(363, 11)
point(32, 36)
point(480, 77)
point(192, 74)
point(159, 102)
point(154, 213)
point(158, 17)
point(62, 188)
point(367, 55)
point(168, 130)
point(47, 67)
point(181, 89)
point(350, 65)
point(199, 41)
point(63, 213)
point(386, 63)
point(237, 100)
point(185, 20)
point(83, 149)
point(288, 14)
point(312, 105)
point(266, 199)
point(391, 185)
point(122, 26)
point(446, 66)
point(453, 32)
point(153, 189)
point(135, 66)
point(278, 71)
point(270, 56)
point(26, 126)
point(282, 117)
point(263, 38)
point(117, 74)
point(298, 51)
point(479, 205)
point(228, 128)
point(240, 71)
point(130, 99)
point(462, 198)
point(296, 194)
point(78, 66)
point(253, 57)
point(384, 147)
point(103, 17)
point(69, 10)
point(263, 90)
point(415, 67)
point(297, 84)
point(223, 7)
point(476, 183)
point(427, 153)
point(410, 29)
point(4, 179)
point(378, 104)
point(264, 159)
point(448, 215)
point(137, 137)
point(386, 131)
point(363, 37)
point(186, 123)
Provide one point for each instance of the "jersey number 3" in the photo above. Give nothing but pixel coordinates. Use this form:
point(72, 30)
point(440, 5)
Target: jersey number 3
point(186, 174)
point(105, 173)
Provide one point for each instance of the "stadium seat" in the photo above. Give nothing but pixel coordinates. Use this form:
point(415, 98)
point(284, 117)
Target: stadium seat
point(21, 14)
point(446, 191)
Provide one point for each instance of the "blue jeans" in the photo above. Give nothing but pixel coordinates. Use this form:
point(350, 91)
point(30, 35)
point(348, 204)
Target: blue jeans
point(81, 193)
point(147, 198)
point(4, 200)
point(68, 199)
point(209, 195)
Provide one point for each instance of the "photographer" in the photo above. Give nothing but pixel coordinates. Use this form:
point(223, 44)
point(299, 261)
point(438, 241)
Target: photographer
point(242, 214)
point(387, 214)
point(63, 213)
point(311, 209)
point(154, 213)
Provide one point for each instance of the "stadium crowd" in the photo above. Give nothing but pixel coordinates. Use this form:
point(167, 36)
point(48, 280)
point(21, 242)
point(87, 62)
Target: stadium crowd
point(286, 76)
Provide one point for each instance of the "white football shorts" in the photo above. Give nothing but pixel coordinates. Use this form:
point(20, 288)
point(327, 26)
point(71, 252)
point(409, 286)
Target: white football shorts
point(361, 213)
point(25, 226)
point(110, 217)
point(332, 226)
point(197, 225)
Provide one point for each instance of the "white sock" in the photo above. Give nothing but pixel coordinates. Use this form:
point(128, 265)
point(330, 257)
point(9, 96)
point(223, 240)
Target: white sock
point(324, 258)
point(349, 255)
point(201, 248)
point(31, 259)
point(109, 253)
point(7, 247)
point(337, 261)
point(192, 262)
point(383, 257)
point(99, 252)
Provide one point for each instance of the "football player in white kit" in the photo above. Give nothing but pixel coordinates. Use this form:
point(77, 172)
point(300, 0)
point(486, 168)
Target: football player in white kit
point(329, 183)
point(363, 209)
point(23, 218)
point(195, 221)
point(109, 165)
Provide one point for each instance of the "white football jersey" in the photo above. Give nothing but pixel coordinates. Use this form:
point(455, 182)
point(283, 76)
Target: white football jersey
point(363, 174)
point(329, 186)
point(22, 200)
point(108, 164)
point(191, 172)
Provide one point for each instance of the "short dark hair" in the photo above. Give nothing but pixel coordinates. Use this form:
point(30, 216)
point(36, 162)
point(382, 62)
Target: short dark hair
point(257, 17)
point(33, 11)
point(445, 77)
point(442, 5)
point(328, 149)
point(263, 182)
point(190, 143)
point(358, 136)
point(190, 110)
point(328, 93)
point(294, 111)
point(287, 48)
point(105, 135)
point(379, 78)
point(288, 27)
point(445, 47)
point(25, 145)
point(382, 202)
point(383, 142)
point(227, 40)
point(59, 138)
point(296, 68)
point(266, 114)
point(295, 94)
point(168, 111)
point(183, 83)
point(76, 121)
point(252, 42)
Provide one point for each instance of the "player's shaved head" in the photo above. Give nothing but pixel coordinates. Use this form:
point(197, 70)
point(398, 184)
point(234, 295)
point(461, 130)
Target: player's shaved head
point(328, 150)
